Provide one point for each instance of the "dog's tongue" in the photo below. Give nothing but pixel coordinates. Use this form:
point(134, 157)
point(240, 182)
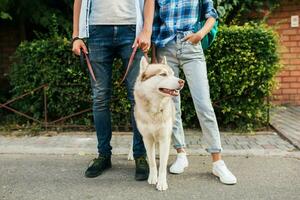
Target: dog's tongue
point(170, 92)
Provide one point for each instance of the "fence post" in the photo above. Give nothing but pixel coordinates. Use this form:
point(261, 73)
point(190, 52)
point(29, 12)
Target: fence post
point(45, 107)
point(268, 112)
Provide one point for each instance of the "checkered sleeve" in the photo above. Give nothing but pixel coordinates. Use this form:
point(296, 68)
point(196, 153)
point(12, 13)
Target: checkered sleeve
point(209, 10)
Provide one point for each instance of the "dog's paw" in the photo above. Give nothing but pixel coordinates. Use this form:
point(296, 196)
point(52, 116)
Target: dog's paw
point(162, 185)
point(152, 179)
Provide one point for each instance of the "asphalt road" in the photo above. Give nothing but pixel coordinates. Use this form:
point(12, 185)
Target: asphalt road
point(55, 177)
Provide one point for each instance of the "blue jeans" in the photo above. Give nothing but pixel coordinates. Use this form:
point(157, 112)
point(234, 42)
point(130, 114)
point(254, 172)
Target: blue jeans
point(107, 42)
point(191, 59)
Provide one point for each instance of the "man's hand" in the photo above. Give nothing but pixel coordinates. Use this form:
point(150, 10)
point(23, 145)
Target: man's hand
point(77, 45)
point(194, 38)
point(143, 41)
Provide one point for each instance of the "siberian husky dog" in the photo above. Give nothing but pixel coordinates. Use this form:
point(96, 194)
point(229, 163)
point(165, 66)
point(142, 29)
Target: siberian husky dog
point(155, 113)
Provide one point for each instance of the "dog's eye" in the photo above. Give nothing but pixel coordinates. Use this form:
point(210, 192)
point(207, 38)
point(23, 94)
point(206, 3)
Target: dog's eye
point(163, 74)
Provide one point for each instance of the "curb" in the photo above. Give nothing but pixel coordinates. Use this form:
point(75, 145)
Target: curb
point(16, 149)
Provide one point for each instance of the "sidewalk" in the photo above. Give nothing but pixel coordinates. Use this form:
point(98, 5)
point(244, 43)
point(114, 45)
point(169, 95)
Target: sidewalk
point(260, 144)
point(286, 120)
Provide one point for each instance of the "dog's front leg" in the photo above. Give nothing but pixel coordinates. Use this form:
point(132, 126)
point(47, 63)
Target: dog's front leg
point(150, 148)
point(164, 148)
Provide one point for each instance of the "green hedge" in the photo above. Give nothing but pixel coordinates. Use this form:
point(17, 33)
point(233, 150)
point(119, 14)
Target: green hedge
point(242, 63)
point(51, 62)
point(48, 62)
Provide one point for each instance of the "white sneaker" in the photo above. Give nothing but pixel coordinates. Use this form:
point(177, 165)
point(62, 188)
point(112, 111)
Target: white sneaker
point(180, 163)
point(220, 170)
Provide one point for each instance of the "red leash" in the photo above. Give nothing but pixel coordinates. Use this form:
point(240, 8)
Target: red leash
point(131, 61)
point(88, 62)
point(127, 69)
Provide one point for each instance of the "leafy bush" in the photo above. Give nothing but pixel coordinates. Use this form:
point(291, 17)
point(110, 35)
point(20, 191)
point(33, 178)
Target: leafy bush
point(51, 62)
point(242, 63)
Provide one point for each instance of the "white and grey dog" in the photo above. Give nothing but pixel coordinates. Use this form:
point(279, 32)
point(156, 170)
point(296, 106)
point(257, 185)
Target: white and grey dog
point(155, 112)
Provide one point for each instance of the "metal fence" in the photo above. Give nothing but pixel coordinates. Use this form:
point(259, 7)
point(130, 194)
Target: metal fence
point(44, 122)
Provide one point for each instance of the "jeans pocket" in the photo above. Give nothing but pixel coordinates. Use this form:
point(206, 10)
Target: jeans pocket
point(189, 43)
point(192, 49)
point(198, 44)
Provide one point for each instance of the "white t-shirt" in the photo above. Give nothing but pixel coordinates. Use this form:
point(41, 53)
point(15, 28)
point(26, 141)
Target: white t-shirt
point(113, 12)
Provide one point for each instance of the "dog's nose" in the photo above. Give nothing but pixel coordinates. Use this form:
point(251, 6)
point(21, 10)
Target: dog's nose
point(181, 82)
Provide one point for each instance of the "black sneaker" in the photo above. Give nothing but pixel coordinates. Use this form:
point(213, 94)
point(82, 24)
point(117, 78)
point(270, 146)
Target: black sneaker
point(142, 169)
point(97, 166)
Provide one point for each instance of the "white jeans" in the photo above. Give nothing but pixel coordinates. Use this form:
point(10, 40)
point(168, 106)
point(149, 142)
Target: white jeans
point(191, 58)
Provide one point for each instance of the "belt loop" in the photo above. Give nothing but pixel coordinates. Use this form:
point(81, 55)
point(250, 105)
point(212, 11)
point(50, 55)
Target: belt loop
point(115, 32)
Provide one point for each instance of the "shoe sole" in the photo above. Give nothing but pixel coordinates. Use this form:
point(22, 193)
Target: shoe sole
point(98, 174)
point(176, 173)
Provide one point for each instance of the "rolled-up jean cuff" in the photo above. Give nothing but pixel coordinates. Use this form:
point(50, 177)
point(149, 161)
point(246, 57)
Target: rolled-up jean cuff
point(214, 150)
point(179, 146)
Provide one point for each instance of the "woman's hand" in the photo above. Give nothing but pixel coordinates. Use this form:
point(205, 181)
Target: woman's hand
point(143, 41)
point(194, 38)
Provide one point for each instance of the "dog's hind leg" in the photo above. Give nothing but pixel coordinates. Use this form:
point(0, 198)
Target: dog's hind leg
point(164, 148)
point(130, 153)
point(150, 148)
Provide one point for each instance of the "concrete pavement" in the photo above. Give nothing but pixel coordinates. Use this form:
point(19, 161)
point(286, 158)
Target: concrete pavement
point(60, 177)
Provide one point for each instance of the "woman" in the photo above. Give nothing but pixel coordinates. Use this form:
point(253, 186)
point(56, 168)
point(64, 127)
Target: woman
point(174, 38)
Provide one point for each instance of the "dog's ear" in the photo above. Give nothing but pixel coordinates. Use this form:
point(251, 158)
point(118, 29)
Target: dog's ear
point(143, 64)
point(164, 61)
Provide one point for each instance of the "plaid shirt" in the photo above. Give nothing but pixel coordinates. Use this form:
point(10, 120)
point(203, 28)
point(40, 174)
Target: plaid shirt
point(172, 16)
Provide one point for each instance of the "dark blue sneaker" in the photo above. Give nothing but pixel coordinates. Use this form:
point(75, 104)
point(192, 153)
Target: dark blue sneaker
point(142, 169)
point(97, 166)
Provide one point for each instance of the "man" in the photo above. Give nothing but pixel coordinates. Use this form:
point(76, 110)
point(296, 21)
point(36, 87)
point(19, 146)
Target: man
point(112, 28)
point(174, 37)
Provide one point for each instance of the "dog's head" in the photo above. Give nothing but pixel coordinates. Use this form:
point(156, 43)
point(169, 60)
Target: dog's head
point(158, 79)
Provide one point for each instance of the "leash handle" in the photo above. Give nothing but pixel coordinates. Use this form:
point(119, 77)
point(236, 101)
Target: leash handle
point(131, 61)
point(88, 62)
